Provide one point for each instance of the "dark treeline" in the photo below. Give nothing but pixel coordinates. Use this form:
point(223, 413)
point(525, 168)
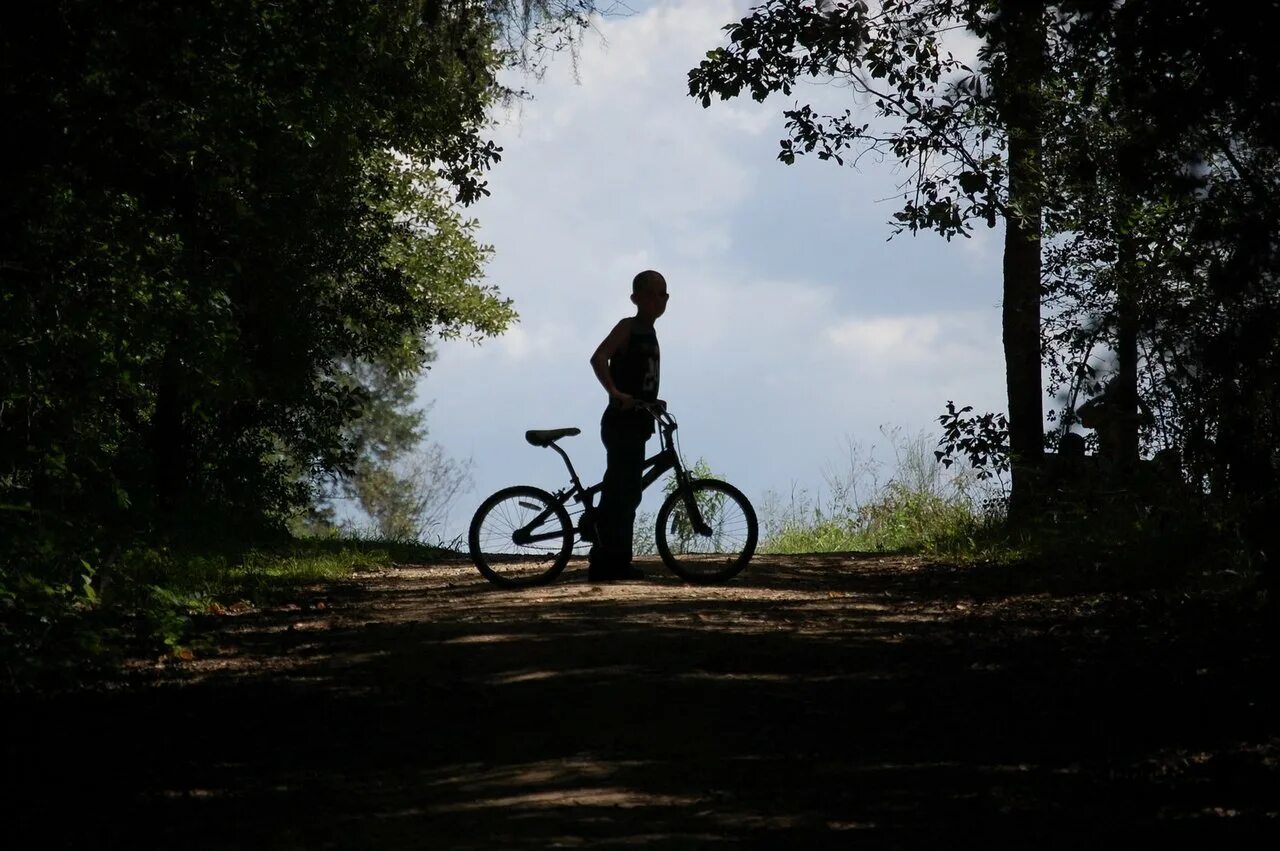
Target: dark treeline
point(1131, 150)
point(218, 220)
point(228, 233)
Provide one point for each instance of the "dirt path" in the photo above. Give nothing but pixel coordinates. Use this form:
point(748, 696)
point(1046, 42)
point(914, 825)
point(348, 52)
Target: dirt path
point(821, 701)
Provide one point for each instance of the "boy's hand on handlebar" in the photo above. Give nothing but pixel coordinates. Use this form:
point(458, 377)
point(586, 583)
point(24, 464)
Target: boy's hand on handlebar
point(624, 401)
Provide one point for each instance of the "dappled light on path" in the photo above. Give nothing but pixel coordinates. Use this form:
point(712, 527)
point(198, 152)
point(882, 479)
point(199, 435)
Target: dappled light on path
point(816, 699)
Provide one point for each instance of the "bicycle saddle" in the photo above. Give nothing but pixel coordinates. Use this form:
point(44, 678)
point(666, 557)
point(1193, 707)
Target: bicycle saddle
point(546, 437)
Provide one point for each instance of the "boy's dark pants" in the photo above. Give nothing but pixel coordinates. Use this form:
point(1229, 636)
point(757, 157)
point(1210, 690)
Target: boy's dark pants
point(619, 497)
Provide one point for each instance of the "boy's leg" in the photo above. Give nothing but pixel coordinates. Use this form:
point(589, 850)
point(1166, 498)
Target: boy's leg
point(619, 498)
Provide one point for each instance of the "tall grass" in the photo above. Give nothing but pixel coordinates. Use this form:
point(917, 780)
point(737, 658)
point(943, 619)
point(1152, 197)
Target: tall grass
point(914, 505)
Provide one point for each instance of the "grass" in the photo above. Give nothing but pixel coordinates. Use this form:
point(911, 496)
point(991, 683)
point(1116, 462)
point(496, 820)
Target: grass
point(54, 632)
point(918, 508)
point(262, 574)
point(899, 521)
point(1151, 540)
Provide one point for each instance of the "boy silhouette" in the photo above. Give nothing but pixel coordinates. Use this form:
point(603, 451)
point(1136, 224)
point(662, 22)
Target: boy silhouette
point(627, 366)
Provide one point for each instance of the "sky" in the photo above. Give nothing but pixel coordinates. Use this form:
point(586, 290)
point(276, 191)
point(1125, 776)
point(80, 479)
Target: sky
point(795, 326)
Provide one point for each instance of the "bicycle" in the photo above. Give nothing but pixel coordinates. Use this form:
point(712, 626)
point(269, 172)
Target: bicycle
point(706, 529)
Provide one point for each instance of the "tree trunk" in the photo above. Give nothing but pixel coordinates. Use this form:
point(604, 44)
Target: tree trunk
point(1021, 315)
point(1127, 351)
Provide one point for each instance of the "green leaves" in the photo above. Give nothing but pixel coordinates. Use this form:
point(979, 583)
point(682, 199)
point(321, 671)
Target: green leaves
point(939, 114)
point(212, 210)
point(87, 590)
point(981, 439)
point(971, 182)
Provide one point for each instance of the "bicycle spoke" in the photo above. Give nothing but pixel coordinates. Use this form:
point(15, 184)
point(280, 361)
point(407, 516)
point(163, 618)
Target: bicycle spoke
point(502, 534)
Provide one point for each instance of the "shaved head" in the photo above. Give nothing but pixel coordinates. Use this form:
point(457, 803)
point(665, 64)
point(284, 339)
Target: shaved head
point(646, 280)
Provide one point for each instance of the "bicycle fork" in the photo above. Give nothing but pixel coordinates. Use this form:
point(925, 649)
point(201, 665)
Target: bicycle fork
point(696, 521)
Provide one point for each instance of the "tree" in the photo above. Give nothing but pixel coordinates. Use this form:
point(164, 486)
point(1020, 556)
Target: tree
point(1017, 40)
point(971, 139)
point(1140, 138)
point(212, 208)
point(404, 485)
point(1170, 257)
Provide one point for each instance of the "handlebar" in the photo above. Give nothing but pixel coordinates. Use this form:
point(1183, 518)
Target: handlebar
point(659, 412)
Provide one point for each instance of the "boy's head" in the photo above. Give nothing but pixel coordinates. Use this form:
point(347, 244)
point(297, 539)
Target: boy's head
point(649, 294)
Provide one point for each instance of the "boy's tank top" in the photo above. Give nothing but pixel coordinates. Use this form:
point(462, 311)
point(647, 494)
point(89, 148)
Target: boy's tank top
point(635, 370)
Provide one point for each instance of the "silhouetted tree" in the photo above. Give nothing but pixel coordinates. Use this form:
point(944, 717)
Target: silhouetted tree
point(971, 139)
point(1169, 256)
point(402, 483)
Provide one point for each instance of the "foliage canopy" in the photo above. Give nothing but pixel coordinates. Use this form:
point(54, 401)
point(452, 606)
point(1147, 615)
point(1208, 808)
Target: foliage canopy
point(213, 211)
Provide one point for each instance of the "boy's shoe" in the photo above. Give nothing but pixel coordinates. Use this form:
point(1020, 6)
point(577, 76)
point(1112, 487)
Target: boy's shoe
point(599, 574)
point(613, 574)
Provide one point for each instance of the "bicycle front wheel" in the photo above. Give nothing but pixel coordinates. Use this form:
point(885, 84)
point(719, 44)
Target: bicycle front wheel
point(708, 534)
point(521, 536)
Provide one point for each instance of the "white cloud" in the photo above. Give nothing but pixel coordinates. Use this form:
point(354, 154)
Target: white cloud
point(905, 340)
point(947, 343)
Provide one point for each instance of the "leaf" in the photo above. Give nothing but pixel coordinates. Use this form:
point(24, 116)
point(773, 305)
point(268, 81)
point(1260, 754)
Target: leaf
point(972, 182)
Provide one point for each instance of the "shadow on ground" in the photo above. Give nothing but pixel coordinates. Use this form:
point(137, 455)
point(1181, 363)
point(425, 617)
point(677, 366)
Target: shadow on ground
point(832, 701)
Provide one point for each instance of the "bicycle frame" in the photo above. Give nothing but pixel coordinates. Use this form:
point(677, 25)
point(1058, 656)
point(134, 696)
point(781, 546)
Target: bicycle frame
point(654, 467)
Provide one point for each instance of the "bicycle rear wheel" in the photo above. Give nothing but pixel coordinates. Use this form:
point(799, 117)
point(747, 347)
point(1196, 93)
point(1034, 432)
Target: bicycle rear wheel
point(521, 536)
point(718, 547)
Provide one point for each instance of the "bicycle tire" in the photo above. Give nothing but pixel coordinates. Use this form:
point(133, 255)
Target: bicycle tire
point(698, 558)
point(494, 526)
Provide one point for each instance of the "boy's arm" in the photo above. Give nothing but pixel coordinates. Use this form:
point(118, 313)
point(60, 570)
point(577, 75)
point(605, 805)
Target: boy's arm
point(609, 347)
